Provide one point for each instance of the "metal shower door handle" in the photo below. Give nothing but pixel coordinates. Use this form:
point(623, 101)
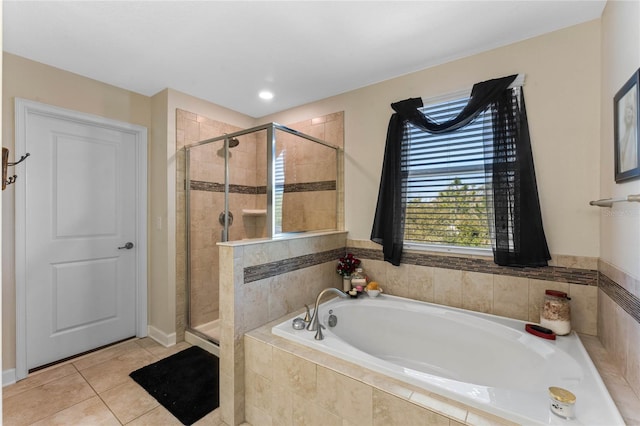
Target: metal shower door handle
point(127, 246)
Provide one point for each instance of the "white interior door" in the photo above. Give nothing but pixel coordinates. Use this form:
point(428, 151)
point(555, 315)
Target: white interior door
point(82, 236)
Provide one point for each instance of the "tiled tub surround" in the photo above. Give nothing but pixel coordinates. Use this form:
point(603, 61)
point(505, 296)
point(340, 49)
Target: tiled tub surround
point(289, 384)
point(478, 359)
point(279, 276)
point(251, 295)
point(477, 284)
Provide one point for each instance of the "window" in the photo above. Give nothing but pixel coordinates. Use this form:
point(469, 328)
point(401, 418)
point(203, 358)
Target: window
point(445, 189)
point(278, 189)
point(438, 177)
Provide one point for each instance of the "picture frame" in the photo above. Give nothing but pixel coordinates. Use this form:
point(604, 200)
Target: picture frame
point(626, 117)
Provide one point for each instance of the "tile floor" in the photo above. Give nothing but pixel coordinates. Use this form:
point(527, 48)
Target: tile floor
point(94, 389)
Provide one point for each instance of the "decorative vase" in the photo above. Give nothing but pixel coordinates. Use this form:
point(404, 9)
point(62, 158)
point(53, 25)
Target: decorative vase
point(346, 283)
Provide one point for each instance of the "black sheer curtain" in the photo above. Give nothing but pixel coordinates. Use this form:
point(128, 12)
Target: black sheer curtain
point(511, 166)
point(516, 223)
point(388, 222)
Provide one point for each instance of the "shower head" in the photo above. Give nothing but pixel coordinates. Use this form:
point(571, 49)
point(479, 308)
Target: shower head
point(233, 142)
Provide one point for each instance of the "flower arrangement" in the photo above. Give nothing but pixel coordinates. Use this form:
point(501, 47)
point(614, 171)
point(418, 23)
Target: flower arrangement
point(347, 265)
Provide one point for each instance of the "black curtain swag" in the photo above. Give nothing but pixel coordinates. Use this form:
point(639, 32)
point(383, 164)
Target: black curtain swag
point(512, 199)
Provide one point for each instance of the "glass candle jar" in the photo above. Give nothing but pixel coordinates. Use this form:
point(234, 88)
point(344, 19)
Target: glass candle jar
point(556, 312)
point(562, 402)
point(358, 278)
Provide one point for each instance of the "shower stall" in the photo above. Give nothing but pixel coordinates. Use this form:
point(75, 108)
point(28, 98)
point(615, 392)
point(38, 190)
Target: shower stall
point(263, 182)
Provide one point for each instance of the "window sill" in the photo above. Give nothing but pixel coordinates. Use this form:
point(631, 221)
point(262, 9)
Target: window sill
point(467, 251)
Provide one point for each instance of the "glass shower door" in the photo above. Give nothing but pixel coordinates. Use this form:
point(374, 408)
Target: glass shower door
point(225, 201)
point(204, 206)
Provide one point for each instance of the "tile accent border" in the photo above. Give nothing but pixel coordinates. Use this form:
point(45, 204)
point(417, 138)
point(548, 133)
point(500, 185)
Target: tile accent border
point(327, 185)
point(268, 270)
point(623, 298)
point(198, 185)
point(548, 273)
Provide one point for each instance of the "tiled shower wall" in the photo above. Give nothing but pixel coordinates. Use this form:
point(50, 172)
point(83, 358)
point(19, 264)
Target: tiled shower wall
point(207, 170)
point(309, 200)
point(309, 193)
point(310, 196)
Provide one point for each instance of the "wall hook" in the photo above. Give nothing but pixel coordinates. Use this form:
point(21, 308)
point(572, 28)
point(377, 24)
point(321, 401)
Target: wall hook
point(24, 157)
point(5, 163)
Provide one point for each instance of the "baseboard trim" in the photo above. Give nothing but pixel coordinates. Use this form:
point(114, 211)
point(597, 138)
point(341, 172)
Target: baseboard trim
point(161, 337)
point(8, 377)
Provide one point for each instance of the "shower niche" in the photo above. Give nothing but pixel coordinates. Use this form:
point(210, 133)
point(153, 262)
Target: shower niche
point(268, 181)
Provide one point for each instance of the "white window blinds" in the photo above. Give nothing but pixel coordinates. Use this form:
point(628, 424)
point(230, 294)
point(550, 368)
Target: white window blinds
point(445, 190)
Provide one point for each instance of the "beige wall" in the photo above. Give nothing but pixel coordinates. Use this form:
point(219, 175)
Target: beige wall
point(562, 94)
point(619, 226)
point(1, 217)
point(161, 304)
point(34, 81)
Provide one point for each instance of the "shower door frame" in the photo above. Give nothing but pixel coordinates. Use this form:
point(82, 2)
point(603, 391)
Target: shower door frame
point(270, 220)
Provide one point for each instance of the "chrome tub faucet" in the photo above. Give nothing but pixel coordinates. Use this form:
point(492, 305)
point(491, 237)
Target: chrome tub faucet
point(315, 325)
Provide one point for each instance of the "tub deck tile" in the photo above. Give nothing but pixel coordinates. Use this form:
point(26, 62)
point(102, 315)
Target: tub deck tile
point(447, 408)
point(395, 393)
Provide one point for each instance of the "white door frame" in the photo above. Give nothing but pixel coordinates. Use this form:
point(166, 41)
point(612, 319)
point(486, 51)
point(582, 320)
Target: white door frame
point(23, 108)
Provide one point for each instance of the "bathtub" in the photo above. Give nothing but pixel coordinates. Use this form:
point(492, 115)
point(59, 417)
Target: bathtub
point(481, 360)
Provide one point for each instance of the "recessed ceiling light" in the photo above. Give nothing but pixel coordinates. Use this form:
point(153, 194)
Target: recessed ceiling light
point(266, 95)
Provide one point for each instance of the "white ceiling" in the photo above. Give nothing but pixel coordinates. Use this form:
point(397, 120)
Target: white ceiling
point(226, 52)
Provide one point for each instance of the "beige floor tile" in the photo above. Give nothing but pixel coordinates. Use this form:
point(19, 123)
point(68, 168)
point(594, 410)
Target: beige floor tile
point(45, 400)
point(155, 417)
point(91, 412)
point(211, 419)
point(115, 371)
point(106, 354)
point(149, 344)
point(62, 395)
point(38, 379)
point(128, 401)
point(159, 351)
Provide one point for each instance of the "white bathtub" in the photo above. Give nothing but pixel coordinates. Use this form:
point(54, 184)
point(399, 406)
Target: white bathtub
point(481, 360)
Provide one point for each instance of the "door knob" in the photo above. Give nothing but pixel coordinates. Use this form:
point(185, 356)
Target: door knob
point(127, 246)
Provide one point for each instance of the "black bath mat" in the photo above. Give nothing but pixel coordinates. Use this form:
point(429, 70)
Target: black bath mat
point(187, 383)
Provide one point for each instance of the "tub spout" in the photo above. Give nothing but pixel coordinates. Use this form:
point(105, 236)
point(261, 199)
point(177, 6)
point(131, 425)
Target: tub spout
point(315, 325)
